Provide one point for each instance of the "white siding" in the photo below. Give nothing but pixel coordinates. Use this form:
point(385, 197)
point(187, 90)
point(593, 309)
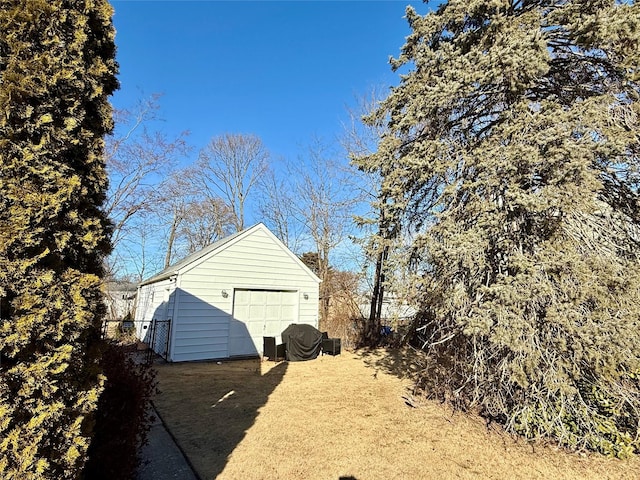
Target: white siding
point(254, 261)
point(154, 302)
point(200, 328)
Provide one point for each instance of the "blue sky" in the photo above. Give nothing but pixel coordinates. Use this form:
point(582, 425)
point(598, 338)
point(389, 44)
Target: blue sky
point(282, 70)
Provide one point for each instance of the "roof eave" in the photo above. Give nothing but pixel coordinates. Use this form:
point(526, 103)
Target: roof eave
point(158, 278)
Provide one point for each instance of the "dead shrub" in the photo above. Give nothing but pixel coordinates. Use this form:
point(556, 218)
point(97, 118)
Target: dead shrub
point(123, 417)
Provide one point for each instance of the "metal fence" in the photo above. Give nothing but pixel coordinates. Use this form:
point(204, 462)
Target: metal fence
point(152, 337)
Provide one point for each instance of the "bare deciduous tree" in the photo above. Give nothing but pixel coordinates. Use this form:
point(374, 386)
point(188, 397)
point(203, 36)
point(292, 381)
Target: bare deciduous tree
point(138, 159)
point(174, 210)
point(324, 205)
point(229, 167)
point(277, 208)
point(192, 220)
point(205, 222)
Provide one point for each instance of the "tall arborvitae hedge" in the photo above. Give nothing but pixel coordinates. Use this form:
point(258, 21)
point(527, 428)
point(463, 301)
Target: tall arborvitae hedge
point(57, 69)
point(512, 164)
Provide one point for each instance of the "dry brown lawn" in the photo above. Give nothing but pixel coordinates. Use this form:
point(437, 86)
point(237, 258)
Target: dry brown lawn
point(343, 417)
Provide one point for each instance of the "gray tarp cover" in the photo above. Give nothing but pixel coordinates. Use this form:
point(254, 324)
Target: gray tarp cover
point(302, 342)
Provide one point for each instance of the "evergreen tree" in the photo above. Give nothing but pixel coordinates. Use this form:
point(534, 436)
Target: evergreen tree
point(512, 164)
point(57, 69)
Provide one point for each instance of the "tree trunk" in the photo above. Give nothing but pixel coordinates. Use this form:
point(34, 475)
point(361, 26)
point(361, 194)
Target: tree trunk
point(372, 333)
point(171, 239)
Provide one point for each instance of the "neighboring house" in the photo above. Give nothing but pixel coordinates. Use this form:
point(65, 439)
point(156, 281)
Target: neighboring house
point(119, 295)
point(394, 313)
point(220, 302)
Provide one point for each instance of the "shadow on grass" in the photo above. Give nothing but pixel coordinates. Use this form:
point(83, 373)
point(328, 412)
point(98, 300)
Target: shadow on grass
point(402, 362)
point(209, 407)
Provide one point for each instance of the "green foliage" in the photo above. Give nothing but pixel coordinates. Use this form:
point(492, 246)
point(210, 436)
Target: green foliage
point(511, 166)
point(57, 68)
point(310, 259)
point(123, 417)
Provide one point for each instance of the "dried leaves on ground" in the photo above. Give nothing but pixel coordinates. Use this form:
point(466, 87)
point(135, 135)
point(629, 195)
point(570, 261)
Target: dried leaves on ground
point(349, 416)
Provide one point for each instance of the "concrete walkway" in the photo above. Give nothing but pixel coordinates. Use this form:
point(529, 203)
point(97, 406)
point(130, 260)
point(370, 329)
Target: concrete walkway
point(161, 457)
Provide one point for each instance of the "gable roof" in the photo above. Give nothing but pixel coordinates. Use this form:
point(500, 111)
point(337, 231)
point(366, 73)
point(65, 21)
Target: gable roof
point(187, 262)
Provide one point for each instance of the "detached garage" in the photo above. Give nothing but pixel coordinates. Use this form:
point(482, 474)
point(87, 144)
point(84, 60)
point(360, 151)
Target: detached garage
point(220, 302)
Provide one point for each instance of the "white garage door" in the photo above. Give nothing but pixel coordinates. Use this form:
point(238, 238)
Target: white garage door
point(257, 314)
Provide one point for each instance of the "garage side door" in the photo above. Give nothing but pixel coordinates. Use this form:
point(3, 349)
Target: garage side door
point(259, 313)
